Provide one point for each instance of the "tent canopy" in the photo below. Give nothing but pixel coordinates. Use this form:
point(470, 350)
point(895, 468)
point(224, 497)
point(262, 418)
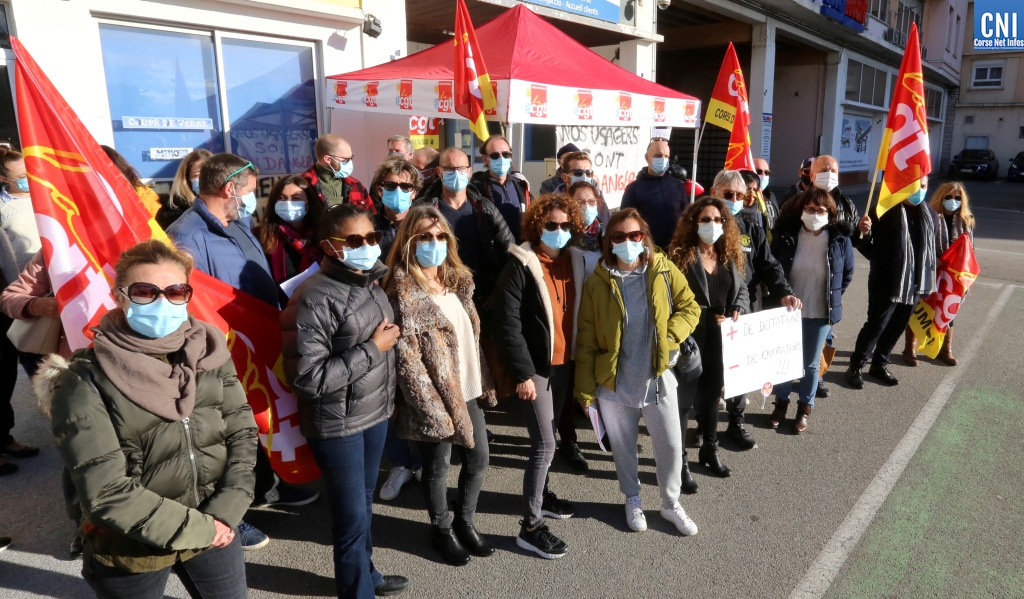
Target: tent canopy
point(540, 75)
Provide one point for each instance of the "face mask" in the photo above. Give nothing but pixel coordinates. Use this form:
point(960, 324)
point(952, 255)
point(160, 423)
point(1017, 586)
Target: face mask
point(247, 204)
point(290, 210)
point(22, 184)
point(156, 320)
point(814, 222)
point(501, 166)
point(734, 207)
point(431, 253)
point(763, 182)
point(951, 205)
point(344, 170)
point(710, 232)
point(628, 251)
point(556, 240)
point(826, 180)
point(574, 179)
point(361, 258)
point(659, 164)
point(397, 200)
point(806, 180)
point(195, 186)
point(455, 181)
point(589, 215)
point(917, 197)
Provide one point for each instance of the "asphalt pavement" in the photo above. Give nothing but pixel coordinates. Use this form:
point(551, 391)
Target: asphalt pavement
point(912, 491)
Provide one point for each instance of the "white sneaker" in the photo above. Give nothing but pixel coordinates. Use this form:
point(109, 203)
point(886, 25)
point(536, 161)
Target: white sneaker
point(635, 514)
point(398, 477)
point(419, 475)
point(678, 516)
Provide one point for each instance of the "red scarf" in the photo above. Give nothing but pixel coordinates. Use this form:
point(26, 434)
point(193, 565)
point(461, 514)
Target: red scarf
point(309, 253)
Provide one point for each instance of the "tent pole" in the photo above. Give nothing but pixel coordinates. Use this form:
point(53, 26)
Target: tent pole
point(871, 192)
point(693, 173)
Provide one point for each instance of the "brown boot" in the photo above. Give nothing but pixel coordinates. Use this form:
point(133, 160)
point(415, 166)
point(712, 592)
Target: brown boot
point(802, 412)
point(946, 352)
point(910, 349)
point(779, 413)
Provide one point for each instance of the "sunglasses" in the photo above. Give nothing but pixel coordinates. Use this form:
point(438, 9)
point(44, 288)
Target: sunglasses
point(579, 172)
point(620, 236)
point(553, 226)
point(819, 211)
point(147, 293)
point(428, 237)
point(764, 172)
point(497, 155)
point(953, 198)
point(453, 169)
point(711, 219)
point(732, 195)
point(664, 139)
point(391, 186)
point(356, 241)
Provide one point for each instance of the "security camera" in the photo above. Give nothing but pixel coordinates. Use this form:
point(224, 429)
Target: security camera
point(663, 4)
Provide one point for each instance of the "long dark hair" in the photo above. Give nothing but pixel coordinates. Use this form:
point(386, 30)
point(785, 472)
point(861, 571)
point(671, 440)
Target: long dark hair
point(606, 244)
point(126, 169)
point(685, 241)
point(267, 230)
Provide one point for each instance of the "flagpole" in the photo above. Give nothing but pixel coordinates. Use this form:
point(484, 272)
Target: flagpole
point(693, 173)
point(871, 192)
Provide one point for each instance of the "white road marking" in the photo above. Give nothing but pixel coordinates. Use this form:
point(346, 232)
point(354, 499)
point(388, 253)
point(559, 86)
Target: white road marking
point(998, 251)
point(823, 571)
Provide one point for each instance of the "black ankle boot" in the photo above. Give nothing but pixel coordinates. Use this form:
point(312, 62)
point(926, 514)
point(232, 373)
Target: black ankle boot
point(473, 541)
point(708, 457)
point(445, 541)
point(738, 433)
point(689, 485)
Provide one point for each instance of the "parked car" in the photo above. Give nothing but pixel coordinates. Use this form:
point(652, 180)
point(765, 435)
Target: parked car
point(1016, 168)
point(974, 163)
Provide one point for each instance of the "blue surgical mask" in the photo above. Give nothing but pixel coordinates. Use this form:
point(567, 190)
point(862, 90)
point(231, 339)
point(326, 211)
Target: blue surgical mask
point(455, 181)
point(431, 253)
point(709, 232)
point(157, 319)
point(659, 164)
point(247, 204)
point(589, 215)
point(628, 251)
point(396, 199)
point(763, 182)
point(500, 166)
point(576, 179)
point(951, 205)
point(195, 186)
point(290, 210)
point(917, 197)
point(557, 239)
point(22, 184)
point(734, 207)
point(344, 169)
point(361, 258)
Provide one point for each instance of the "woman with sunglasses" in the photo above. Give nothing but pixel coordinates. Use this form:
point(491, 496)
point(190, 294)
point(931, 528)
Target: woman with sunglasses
point(533, 322)
point(155, 428)
point(288, 229)
point(819, 262)
point(706, 247)
point(441, 374)
point(955, 219)
point(395, 185)
point(337, 337)
point(637, 309)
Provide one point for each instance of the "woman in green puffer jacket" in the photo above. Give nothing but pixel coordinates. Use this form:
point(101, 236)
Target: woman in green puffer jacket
point(154, 428)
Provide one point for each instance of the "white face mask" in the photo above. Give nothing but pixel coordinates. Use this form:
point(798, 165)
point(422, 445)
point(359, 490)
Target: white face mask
point(826, 180)
point(814, 222)
point(762, 182)
point(710, 232)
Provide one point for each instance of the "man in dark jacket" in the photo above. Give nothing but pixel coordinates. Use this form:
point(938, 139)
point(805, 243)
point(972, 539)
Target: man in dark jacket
point(549, 185)
point(331, 175)
point(802, 184)
point(659, 199)
point(483, 236)
point(505, 188)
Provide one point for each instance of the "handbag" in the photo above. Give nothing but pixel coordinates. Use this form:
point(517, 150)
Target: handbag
point(504, 385)
point(828, 353)
point(38, 336)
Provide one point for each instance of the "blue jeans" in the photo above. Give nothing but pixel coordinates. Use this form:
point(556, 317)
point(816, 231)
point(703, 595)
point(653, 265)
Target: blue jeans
point(814, 332)
point(350, 466)
point(400, 452)
point(213, 574)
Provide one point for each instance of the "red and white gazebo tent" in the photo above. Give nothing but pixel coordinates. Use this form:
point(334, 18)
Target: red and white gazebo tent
point(541, 76)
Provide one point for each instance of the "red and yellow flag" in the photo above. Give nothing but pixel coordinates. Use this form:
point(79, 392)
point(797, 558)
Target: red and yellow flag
point(473, 92)
point(88, 214)
point(905, 155)
point(729, 89)
point(958, 269)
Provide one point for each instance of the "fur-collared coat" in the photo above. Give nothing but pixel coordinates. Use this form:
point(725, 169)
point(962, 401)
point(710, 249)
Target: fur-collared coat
point(430, 404)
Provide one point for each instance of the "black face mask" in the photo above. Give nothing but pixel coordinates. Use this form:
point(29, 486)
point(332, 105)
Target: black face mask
point(806, 180)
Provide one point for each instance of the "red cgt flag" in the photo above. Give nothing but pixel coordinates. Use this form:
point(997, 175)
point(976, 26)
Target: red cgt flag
point(958, 269)
point(474, 95)
point(88, 214)
point(905, 155)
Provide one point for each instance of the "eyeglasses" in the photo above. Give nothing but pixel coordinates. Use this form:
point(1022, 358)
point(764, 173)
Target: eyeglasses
point(392, 185)
point(711, 219)
point(580, 172)
point(497, 155)
point(734, 195)
point(453, 169)
point(147, 293)
point(247, 165)
point(553, 226)
point(620, 236)
point(342, 159)
point(763, 171)
point(813, 210)
point(356, 241)
point(428, 237)
point(591, 201)
point(958, 198)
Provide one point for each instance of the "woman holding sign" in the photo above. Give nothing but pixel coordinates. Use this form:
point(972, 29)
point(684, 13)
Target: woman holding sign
point(706, 248)
point(818, 261)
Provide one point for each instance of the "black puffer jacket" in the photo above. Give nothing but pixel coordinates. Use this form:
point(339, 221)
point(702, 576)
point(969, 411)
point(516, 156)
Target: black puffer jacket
point(762, 268)
point(344, 384)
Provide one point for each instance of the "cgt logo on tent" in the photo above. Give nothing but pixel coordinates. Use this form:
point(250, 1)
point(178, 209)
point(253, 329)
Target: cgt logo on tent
point(625, 110)
point(584, 105)
point(404, 99)
point(659, 110)
point(370, 99)
point(538, 101)
point(445, 101)
point(493, 111)
point(340, 92)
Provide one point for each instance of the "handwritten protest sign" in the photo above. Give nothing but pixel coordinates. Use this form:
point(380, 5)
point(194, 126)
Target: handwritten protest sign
point(761, 350)
point(617, 153)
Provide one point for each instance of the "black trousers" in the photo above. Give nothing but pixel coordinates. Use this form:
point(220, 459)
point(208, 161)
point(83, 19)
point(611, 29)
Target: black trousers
point(9, 359)
point(882, 330)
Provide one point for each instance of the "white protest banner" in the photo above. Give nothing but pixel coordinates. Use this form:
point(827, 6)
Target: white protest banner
point(761, 350)
point(617, 153)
